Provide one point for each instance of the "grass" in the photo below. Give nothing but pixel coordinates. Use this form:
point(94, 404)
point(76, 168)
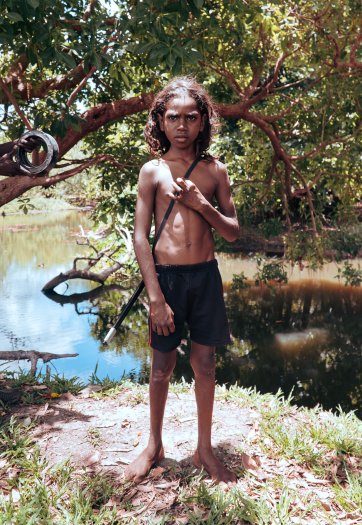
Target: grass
point(290, 441)
point(44, 499)
point(318, 443)
point(270, 405)
point(350, 496)
point(38, 388)
point(214, 506)
point(56, 383)
point(136, 393)
point(341, 432)
point(113, 387)
point(34, 493)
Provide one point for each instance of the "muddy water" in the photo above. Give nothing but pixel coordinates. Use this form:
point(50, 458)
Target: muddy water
point(304, 337)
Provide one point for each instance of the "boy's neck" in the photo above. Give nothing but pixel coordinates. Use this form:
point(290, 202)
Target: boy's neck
point(183, 154)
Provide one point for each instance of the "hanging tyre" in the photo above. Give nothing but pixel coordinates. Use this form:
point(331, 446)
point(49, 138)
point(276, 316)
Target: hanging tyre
point(51, 152)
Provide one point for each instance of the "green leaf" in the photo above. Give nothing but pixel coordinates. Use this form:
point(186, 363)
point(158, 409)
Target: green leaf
point(113, 71)
point(47, 55)
point(160, 51)
point(15, 17)
point(194, 56)
point(179, 51)
point(170, 60)
point(92, 59)
point(74, 122)
point(125, 79)
point(58, 128)
point(38, 120)
point(142, 48)
point(177, 68)
point(198, 3)
point(33, 3)
point(33, 57)
point(67, 59)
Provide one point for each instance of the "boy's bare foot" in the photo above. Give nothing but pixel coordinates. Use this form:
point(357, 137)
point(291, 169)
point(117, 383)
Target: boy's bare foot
point(140, 467)
point(207, 459)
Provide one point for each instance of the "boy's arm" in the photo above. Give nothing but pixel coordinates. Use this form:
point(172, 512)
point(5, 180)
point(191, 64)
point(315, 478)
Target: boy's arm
point(225, 221)
point(161, 315)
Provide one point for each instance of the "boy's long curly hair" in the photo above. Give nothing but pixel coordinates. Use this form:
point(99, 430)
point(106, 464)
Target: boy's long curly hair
point(156, 139)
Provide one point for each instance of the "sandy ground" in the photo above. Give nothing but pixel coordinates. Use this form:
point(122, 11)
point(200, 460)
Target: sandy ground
point(105, 434)
point(110, 432)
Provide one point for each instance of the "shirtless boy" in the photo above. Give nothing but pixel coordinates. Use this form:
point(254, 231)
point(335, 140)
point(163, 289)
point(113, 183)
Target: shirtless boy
point(182, 280)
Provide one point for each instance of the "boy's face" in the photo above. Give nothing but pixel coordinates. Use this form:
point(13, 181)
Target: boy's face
point(182, 121)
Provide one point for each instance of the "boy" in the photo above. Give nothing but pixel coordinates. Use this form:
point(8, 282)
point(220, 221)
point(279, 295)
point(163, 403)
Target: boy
point(182, 279)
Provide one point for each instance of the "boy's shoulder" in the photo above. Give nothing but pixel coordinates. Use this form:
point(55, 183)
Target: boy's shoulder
point(149, 172)
point(151, 166)
point(215, 167)
point(215, 163)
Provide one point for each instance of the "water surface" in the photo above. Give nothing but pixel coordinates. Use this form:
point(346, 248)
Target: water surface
point(34, 249)
point(303, 337)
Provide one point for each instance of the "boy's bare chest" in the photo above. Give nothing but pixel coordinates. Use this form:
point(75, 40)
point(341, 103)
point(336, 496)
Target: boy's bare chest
point(204, 181)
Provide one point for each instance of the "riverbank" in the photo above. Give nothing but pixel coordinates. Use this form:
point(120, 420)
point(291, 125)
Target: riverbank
point(64, 451)
point(36, 204)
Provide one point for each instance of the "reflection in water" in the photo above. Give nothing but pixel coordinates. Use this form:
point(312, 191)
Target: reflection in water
point(304, 337)
point(301, 341)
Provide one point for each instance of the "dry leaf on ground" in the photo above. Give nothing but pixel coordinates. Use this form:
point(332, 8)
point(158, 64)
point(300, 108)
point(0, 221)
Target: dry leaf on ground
point(249, 462)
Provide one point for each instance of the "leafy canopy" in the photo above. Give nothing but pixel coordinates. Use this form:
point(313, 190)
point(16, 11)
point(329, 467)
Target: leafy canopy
point(286, 77)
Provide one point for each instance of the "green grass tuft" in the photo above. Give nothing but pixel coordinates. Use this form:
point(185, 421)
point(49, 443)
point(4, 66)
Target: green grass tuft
point(349, 496)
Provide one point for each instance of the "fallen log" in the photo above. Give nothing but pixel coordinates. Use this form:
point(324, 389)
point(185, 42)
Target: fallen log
point(81, 274)
point(87, 273)
point(31, 355)
point(76, 298)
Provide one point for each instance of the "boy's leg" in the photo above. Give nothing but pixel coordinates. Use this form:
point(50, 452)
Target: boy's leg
point(161, 371)
point(202, 360)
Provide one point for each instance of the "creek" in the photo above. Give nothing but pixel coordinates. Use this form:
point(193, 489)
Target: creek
point(304, 337)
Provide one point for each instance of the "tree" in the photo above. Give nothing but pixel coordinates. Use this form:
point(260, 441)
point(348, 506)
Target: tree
point(286, 77)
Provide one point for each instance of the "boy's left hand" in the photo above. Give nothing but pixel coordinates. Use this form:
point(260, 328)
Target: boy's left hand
point(188, 194)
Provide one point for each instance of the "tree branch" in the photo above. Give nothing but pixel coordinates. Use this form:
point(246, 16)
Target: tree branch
point(257, 72)
point(81, 84)
point(73, 274)
point(267, 182)
point(231, 80)
point(89, 9)
point(27, 91)
point(33, 356)
point(284, 194)
point(76, 298)
point(16, 184)
point(309, 198)
point(49, 181)
point(99, 115)
point(322, 145)
point(12, 99)
point(86, 274)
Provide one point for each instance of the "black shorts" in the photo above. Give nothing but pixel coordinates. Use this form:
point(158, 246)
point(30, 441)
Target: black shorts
point(194, 293)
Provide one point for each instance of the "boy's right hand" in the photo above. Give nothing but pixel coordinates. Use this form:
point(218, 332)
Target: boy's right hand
point(162, 318)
